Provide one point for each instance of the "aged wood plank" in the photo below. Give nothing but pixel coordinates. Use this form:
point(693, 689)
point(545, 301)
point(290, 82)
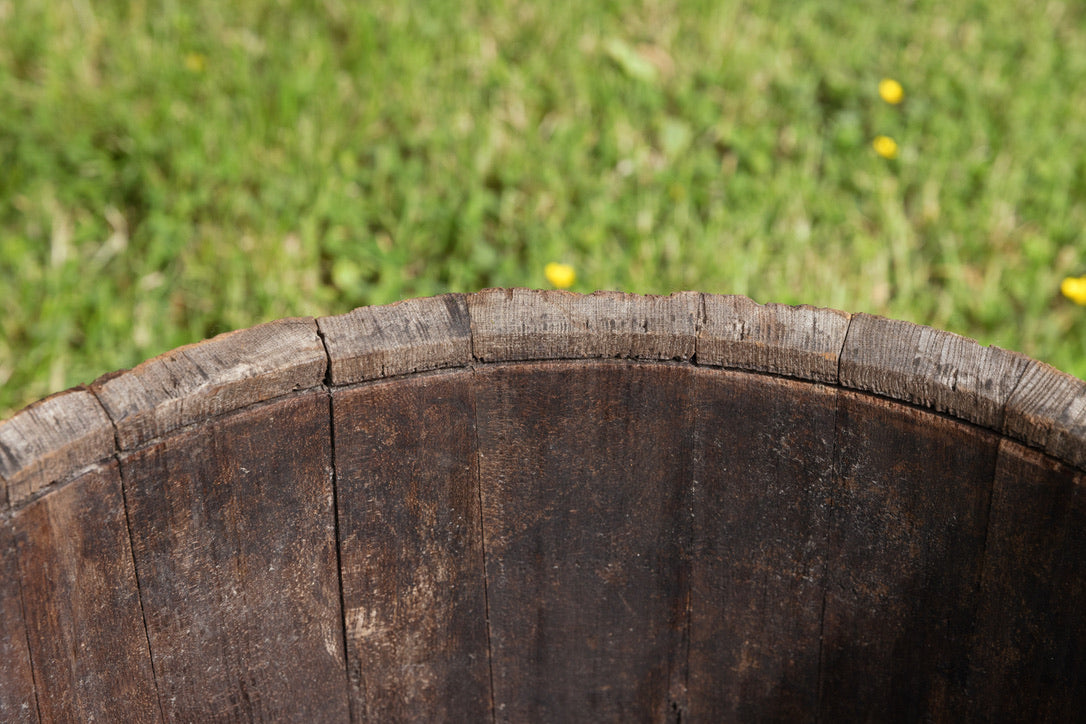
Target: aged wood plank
point(585, 472)
point(1048, 410)
point(521, 324)
point(762, 477)
point(1029, 648)
point(411, 550)
point(17, 696)
point(87, 643)
point(910, 507)
point(931, 368)
point(234, 537)
point(195, 383)
point(416, 335)
point(53, 439)
point(801, 342)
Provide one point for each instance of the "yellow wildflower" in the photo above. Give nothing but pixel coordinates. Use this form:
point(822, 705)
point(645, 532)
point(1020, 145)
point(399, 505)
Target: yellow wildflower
point(885, 146)
point(891, 91)
point(195, 62)
point(1074, 288)
point(560, 275)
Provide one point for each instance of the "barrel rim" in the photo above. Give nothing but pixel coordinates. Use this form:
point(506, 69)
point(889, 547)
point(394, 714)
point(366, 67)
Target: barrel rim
point(1020, 398)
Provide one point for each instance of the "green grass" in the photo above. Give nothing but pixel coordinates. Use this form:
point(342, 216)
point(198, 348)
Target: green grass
point(173, 170)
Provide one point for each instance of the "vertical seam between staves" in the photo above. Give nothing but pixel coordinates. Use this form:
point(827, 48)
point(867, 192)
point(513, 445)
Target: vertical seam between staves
point(327, 386)
point(132, 552)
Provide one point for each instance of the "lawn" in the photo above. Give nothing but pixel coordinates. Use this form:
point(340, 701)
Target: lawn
point(170, 170)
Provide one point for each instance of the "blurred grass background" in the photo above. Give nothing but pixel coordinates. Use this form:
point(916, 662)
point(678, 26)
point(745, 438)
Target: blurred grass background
point(171, 170)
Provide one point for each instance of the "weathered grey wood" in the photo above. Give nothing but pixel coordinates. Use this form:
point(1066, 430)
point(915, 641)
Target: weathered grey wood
point(1029, 646)
point(801, 342)
point(585, 473)
point(411, 550)
point(52, 440)
point(416, 335)
point(195, 383)
point(1048, 411)
point(234, 538)
point(909, 514)
point(17, 697)
point(930, 367)
point(762, 497)
point(521, 324)
point(81, 605)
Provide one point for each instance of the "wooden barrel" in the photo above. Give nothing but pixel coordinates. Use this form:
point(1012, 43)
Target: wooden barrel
point(539, 506)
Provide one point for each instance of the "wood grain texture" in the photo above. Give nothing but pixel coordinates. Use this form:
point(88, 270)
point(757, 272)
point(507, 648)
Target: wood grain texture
point(802, 342)
point(1048, 411)
point(521, 324)
point(87, 643)
point(18, 701)
point(196, 383)
point(931, 368)
point(51, 440)
point(416, 335)
point(411, 550)
point(762, 493)
point(1029, 646)
point(552, 507)
point(585, 472)
point(909, 514)
point(234, 539)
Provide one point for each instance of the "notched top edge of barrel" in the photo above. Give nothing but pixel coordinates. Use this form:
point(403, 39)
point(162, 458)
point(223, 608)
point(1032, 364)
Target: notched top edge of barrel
point(1002, 390)
point(211, 378)
point(409, 336)
point(930, 367)
point(523, 324)
point(802, 342)
point(50, 441)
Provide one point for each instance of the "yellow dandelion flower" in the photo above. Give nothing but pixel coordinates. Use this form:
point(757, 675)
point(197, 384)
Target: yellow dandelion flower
point(885, 146)
point(195, 62)
point(560, 275)
point(1074, 288)
point(891, 91)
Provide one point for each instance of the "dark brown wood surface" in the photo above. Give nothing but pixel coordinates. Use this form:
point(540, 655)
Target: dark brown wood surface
point(234, 538)
point(80, 604)
point(585, 476)
point(411, 550)
point(17, 697)
point(545, 506)
point(1028, 659)
point(909, 508)
point(762, 497)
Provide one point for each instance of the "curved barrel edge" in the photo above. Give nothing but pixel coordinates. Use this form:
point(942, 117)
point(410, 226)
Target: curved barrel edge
point(1004, 391)
point(210, 378)
point(50, 441)
point(930, 368)
point(804, 342)
point(1047, 410)
point(513, 325)
point(415, 335)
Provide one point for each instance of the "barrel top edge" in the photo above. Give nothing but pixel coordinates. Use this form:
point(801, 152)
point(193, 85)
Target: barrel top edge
point(206, 379)
point(50, 441)
point(1005, 391)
